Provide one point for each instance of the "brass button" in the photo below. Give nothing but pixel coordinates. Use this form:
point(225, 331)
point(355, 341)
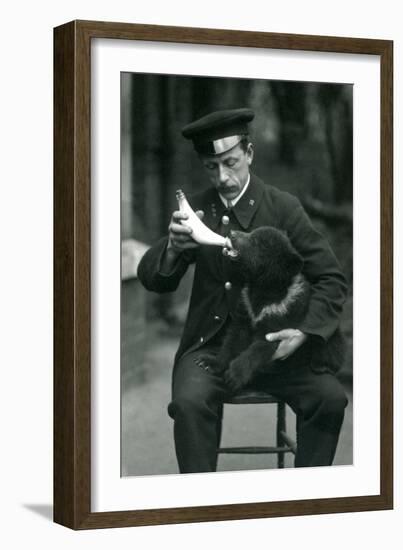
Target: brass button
point(225, 220)
point(217, 318)
point(228, 285)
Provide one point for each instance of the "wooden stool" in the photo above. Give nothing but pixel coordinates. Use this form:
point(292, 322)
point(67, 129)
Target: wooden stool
point(284, 443)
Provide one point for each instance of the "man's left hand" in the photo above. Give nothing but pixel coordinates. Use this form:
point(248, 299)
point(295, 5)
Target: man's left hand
point(290, 340)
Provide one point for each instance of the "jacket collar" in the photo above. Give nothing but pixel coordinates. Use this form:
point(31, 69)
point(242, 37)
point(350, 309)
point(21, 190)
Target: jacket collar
point(244, 209)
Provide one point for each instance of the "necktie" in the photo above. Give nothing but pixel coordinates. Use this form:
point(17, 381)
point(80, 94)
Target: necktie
point(225, 220)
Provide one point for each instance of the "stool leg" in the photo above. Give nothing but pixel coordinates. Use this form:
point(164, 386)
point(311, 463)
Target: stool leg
point(219, 432)
point(281, 428)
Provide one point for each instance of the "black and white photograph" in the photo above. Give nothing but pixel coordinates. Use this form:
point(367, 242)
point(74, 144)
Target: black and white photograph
point(236, 274)
point(201, 261)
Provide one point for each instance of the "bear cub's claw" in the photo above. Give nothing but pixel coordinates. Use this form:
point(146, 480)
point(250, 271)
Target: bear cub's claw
point(208, 362)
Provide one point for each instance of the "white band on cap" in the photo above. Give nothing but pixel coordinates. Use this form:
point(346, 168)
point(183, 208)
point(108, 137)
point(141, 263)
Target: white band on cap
point(224, 144)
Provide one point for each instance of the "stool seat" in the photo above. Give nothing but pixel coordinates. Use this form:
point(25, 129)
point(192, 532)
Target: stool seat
point(284, 443)
point(252, 397)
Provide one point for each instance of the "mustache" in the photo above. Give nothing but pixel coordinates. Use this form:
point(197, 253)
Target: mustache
point(227, 188)
point(231, 184)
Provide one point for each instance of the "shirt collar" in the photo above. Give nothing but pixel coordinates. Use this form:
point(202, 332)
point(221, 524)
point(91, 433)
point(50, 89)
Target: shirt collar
point(234, 201)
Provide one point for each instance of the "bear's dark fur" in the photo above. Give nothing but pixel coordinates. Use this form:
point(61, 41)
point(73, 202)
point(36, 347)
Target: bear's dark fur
point(275, 296)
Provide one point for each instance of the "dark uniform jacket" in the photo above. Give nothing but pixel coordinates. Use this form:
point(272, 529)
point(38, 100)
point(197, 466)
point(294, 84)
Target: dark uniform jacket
point(214, 294)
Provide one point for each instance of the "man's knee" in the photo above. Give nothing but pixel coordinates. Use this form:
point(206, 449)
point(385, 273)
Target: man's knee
point(333, 398)
point(187, 405)
point(331, 403)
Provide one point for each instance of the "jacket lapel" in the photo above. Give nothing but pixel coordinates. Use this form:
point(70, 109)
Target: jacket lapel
point(244, 209)
point(247, 205)
point(214, 210)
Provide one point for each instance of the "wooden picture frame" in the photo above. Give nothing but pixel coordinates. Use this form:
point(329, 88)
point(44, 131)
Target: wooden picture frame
point(72, 274)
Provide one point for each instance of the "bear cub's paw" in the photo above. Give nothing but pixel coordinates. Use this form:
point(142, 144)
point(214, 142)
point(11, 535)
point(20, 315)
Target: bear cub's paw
point(209, 362)
point(238, 375)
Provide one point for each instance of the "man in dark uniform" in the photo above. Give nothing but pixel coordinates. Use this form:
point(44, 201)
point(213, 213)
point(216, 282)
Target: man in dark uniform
point(239, 200)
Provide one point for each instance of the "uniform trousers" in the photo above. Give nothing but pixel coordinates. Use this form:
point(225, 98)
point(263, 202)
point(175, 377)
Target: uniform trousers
point(318, 400)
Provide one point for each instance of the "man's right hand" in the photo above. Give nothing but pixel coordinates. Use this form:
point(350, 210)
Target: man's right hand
point(180, 236)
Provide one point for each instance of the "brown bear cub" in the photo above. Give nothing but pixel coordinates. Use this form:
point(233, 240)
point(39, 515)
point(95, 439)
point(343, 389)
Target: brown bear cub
point(275, 295)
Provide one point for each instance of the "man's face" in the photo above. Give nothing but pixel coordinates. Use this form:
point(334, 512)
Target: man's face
point(229, 171)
